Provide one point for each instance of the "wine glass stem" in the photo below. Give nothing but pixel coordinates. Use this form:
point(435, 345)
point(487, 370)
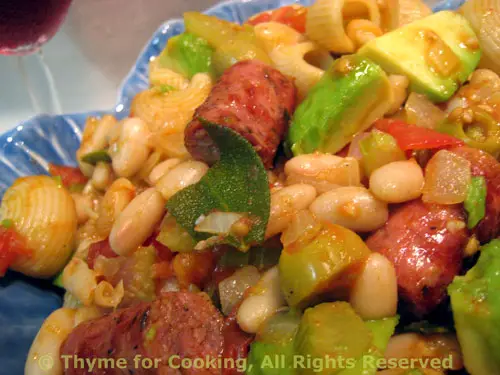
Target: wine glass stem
point(43, 95)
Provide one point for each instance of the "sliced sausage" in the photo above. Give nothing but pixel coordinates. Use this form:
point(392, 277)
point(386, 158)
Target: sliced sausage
point(251, 98)
point(483, 164)
point(424, 242)
point(177, 324)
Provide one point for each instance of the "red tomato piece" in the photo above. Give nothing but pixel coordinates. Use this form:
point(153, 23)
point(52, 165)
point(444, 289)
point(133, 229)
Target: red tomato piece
point(12, 246)
point(413, 137)
point(236, 342)
point(69, 175)
point(292, 15)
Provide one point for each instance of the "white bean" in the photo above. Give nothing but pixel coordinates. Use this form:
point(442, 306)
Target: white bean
point(117, 197)
point(413, 345)
point(285, 203)
point(351, 207)
point(136, 222)
point(180, 177)
point(162, 169)
point(323, 171)
point(46, 346)
point(256, 309)
point(102, 176)
point(397, 182)
point(375, 293)
point(131, 150)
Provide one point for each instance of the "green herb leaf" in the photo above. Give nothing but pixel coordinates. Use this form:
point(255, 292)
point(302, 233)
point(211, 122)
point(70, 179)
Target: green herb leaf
point(96, 157)
point(236, 183)
point(475, 203)
point(7, 223)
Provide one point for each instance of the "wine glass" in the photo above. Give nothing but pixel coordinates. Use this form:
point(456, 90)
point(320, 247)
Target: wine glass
point(25, 25)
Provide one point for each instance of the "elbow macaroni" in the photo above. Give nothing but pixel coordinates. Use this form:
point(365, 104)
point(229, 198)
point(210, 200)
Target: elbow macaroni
point(79, 280)
point(327, 20)
point(46, 346)
point(290, 60)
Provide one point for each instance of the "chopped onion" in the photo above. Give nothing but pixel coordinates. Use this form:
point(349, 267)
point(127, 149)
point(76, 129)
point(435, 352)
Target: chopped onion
point(447, 178)
point(422, 112)
point(217, 222)
point(354, 150)
point(232, 289)
point(302, 226)
point(484, 17)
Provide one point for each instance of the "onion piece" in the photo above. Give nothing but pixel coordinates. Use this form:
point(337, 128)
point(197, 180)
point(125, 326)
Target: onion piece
point(484, 17)
point(217, 222)
point(354, 150)
point(232, 289)
point(303, 225)
point(447, 178)
point(422, 112)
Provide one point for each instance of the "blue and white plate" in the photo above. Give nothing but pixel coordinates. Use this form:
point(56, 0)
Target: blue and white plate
point(26, 149)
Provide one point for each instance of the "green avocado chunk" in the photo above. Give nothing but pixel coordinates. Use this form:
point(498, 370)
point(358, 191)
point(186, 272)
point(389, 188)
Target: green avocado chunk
point(347, 100)
point(272, 352)
point(335, 334)
point(475, 302)
point(436, 53)
point(381, 330)
point(326, 263)
point(188, 55)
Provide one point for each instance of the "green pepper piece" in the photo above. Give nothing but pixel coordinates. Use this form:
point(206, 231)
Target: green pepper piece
point(95, 157)
point(188, 55)
point(332, 329)
point(326, 263)
point(378, 149)
point(347, 100)
point(236, 183)
point(475, 202)
point(483, 134)
point(232, 42)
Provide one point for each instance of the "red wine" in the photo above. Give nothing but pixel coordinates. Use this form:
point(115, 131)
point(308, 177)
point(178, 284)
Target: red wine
point(26, 24)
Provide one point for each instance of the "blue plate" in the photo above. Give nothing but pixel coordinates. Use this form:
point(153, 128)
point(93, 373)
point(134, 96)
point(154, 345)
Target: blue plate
point(26, 150)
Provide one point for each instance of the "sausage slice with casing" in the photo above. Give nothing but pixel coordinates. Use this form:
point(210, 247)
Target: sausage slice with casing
point(251, 98)
point(180, 324)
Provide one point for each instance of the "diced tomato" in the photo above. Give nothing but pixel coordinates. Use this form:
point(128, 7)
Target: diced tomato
point(413, 137)
point(99, 248)
point(193, 268)
point(236, 342)
point(69, 175)
point(12, 246)
point(162, 270)
point(292, 15)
